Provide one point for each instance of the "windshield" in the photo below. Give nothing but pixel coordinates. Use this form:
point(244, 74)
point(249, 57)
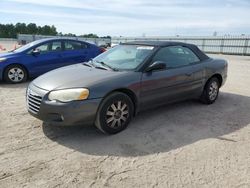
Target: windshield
point(124, 57)
point(27, 46)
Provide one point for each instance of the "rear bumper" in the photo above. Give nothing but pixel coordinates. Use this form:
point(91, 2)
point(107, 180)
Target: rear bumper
point(224, 79)
point(224, 74)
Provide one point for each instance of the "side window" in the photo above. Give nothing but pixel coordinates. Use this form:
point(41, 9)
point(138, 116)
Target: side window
point(49, 47)
point(73, 45)
point(56, 46)
point(176, 56)
point(44, 48)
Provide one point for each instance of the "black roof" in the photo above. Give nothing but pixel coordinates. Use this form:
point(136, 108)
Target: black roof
point(155, 43)
point(193, 47)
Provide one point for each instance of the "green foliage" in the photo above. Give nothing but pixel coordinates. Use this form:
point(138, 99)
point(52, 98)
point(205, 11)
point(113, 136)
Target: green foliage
point(106, 37)
point(67, 35)
point(91, 35)
point(7, 31)
point(11, 31)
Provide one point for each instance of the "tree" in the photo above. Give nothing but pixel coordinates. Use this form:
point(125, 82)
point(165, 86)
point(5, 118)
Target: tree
point(69, 35)
point(91, 35)
point(53, 30)
point(106, 37)
point(3, 31)
point(21, 28)
point(11, 31)
point(32, 28)
point(45, 30)
point(7, 31)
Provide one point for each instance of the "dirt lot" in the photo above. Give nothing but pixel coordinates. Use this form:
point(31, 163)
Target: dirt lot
point(182, 145)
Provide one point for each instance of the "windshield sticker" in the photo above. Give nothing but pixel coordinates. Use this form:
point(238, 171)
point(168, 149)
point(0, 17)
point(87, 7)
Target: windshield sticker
point(145, 48)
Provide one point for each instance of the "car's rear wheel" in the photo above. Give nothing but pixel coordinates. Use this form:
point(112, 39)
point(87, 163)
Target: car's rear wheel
point(115, 113)
point(211, 91)
point(15, 74)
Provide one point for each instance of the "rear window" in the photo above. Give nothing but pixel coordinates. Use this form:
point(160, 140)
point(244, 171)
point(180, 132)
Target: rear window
point(74, 45)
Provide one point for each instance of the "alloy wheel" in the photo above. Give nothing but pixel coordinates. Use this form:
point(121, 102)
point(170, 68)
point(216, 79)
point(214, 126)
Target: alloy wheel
point(16, 74)
point(213, 90)
point(117, 114)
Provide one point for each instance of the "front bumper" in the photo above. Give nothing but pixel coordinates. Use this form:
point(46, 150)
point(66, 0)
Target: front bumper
point(1, 71)
point(71, 113)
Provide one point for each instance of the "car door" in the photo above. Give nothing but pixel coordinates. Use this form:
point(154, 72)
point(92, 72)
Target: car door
point(74, 52)
point(45, 57)
point(174, 83)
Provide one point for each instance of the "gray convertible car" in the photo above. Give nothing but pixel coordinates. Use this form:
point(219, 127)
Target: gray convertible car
point(112, 88)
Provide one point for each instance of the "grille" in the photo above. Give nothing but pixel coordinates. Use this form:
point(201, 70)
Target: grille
point(33, 101)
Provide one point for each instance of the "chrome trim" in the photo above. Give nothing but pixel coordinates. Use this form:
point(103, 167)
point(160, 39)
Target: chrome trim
point(33, 101)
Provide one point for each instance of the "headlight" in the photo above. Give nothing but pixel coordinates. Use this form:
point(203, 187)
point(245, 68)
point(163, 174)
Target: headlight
point(67, 95)
point(2, 59)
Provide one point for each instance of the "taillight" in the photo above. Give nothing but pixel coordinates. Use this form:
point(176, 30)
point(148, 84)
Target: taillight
point(103, 50)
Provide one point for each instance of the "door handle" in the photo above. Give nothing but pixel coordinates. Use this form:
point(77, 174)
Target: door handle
point(189, 74)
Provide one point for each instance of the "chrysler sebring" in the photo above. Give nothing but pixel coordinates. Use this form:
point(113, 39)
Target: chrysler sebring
point(109, 90)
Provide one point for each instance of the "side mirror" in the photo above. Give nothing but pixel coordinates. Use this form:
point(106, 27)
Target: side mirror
point(157, 65)
point(35, 52)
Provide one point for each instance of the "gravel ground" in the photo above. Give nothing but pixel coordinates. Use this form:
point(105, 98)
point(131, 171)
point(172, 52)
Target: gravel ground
point(180, 145)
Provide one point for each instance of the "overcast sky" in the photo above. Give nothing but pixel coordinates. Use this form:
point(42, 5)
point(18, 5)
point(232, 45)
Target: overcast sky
point(133, 17)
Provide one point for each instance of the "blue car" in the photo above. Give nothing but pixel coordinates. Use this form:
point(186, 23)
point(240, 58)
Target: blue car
point(38, 57)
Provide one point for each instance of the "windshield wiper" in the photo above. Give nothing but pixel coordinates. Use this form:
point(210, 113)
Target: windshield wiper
point(101, 67)
point(106, 65)
point(89, 63)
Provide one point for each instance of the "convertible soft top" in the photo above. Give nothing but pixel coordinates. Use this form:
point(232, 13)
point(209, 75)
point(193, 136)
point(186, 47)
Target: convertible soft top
point(193, 47)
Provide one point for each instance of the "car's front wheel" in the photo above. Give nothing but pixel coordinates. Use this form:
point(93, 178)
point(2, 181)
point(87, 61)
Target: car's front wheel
point(15, 74)
point(211, 91)
point(115, 113)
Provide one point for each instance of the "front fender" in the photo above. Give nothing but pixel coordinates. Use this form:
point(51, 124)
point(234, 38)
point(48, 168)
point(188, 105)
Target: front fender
point(129, 80)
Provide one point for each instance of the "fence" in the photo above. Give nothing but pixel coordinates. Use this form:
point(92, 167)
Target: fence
point(235, 45)
point(7, 44)
point(25, 38)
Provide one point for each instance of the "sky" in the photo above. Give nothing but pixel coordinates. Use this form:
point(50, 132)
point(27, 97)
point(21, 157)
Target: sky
point(133, 17)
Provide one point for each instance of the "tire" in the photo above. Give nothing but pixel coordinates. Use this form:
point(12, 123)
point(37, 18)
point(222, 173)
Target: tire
point(15, 74)
point(114, 113)
point(211, 91)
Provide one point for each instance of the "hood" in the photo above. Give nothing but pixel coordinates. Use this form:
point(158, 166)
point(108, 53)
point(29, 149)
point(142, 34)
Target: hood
point(71, 76)
point(8, 54)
